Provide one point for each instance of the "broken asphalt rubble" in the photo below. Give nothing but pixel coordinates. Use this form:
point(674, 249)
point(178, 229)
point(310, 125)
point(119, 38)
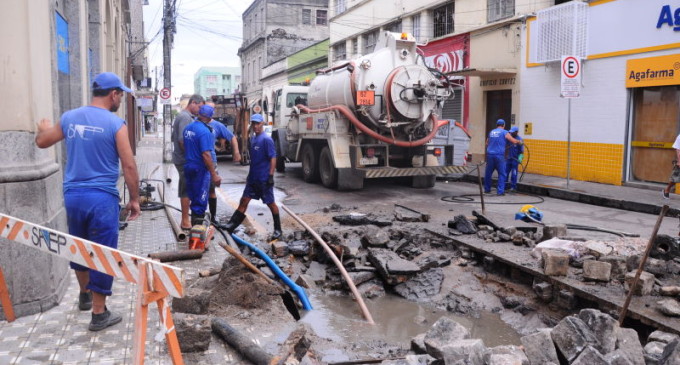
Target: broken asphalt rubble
point(383, 256)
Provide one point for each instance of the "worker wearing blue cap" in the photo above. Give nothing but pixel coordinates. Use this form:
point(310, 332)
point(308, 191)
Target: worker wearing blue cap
point(199, 169)
point(260, 181)
point(495, 156)
point(96, 140)
point(515, 157)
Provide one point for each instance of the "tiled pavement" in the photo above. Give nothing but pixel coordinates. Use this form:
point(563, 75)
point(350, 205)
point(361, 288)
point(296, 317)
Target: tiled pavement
point(60, 335)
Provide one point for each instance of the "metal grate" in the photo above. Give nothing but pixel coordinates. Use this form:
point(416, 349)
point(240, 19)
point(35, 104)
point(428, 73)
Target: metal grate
point(562, 31)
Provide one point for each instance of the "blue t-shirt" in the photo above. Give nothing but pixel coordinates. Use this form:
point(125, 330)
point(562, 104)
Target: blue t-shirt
point(496, 142)
point(198, 138)
point(92, 154)
point(262, 151)
point(219, 132)
point(515, 149)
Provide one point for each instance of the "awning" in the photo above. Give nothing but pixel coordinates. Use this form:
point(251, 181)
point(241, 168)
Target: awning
point(484, 72)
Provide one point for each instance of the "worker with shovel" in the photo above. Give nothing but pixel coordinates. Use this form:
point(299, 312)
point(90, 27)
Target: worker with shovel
point(260, 182)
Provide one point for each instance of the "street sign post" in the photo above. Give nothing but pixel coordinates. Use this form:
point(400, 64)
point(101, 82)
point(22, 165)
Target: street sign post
point(570, 87)
point(165, 96)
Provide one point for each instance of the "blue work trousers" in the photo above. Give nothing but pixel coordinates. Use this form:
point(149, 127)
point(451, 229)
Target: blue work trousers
point(511, 171)
point(198, 187)
point(495, 162)
point(92, 214)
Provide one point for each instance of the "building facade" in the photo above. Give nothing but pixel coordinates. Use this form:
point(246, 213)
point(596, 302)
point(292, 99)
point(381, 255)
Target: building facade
point(273, 30)
point(626, 118)
point(209, 81)
point(52, 49)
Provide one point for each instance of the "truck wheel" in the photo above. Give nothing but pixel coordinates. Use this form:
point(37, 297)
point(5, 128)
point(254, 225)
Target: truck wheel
point(327, 170)
point(310, 167)
point(423, 182)
point(280, 164)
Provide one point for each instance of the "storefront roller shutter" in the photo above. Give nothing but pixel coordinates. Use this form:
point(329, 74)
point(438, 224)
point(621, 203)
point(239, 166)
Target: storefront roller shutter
point(453, 109)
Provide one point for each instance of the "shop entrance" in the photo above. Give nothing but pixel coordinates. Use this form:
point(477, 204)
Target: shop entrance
point(656, 122)
point(498, 106)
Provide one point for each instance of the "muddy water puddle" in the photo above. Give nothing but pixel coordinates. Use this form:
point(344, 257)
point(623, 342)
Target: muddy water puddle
point(397, 321)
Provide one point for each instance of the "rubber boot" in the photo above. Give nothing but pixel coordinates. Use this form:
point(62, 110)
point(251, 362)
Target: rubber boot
point(235, 221)
point(196, 219)
point(277, 228)
point(212, 207)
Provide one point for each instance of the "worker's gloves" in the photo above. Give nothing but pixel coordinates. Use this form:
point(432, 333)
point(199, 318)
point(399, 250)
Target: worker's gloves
point(270, 181)
point(520, 157)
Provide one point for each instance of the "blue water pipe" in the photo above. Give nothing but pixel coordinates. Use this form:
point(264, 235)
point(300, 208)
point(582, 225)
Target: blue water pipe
point(299, 291)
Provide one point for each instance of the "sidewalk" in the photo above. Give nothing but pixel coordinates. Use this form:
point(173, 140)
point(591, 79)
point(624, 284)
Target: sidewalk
point(635, 199)
point(60, 335)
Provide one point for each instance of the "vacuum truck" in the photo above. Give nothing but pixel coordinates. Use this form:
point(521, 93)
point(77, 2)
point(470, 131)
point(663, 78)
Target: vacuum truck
point(371, 117)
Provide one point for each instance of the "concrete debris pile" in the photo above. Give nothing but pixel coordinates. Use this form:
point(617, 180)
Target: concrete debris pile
point(487, 230)
point(589, 338)
point(377, 259)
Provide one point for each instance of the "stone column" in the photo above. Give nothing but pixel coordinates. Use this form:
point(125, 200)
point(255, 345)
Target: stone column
point(30, 178)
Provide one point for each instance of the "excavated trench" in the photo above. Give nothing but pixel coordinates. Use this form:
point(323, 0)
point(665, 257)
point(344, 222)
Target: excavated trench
point(415, 282)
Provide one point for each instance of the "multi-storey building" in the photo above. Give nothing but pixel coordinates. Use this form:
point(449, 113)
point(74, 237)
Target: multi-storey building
point(273, 30)
point(209, 81)
point(51, 51)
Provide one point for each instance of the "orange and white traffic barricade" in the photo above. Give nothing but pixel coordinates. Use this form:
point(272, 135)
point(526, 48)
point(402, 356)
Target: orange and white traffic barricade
point(156, 281)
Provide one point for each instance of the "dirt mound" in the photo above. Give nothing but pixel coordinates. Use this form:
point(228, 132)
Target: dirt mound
point(238, 286)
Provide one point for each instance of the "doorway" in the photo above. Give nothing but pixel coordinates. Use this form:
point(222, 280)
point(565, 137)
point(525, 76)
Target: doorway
point(498, 106)
point(656, 121)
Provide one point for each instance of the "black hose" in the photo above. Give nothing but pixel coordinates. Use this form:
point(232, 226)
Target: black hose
point(469, 198)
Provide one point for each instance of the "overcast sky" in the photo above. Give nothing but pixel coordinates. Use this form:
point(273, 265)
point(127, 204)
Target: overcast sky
point(209, 33)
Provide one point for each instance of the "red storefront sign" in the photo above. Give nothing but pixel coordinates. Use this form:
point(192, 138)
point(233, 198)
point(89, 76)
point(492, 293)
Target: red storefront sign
point(448, 55)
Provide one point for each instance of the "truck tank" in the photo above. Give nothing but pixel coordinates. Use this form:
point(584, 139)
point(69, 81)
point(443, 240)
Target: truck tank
point(406, 92)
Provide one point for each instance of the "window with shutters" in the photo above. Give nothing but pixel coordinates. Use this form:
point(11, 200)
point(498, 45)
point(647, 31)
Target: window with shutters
point(306, 16)
point(340, 6)
point(340, 51)
point(321, 17)
point(415, 20)
point(500, 9)
point(442, 19)
point(370, 39)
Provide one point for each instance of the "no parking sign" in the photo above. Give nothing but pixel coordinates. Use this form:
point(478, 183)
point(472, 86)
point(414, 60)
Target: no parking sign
point(570, 70)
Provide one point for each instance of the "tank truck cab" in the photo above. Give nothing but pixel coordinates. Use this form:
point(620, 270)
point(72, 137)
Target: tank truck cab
point(284, 101)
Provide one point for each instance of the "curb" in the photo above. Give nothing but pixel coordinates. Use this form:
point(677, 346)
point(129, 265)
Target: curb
point(585, 198)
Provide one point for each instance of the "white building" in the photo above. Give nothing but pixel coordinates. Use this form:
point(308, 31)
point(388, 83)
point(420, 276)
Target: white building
point(627, 116)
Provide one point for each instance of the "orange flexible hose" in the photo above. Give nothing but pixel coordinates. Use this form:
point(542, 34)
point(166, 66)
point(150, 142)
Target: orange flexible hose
point(357, 123)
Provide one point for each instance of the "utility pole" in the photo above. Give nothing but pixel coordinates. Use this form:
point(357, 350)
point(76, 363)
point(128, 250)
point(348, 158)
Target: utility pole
point(168, 27)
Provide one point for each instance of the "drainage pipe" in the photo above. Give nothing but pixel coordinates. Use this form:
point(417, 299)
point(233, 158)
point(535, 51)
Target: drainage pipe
point(331, 254)
point(179, 234)
point(276, 270)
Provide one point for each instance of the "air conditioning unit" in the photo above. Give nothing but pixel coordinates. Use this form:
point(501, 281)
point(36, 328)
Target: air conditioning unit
point(562, 30)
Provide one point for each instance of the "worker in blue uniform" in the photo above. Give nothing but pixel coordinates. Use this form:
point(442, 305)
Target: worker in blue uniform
point(260, 182)
point(495, 156)
point(96, 139)
point(220, 135)
point(199, 169)
point(515, 157)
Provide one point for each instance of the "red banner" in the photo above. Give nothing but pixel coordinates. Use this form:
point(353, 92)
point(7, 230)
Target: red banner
point(448, 54)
